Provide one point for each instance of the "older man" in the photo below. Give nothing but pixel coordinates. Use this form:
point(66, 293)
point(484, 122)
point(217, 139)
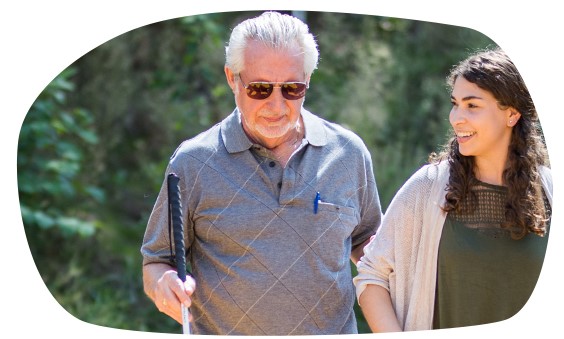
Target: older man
point(276, 201)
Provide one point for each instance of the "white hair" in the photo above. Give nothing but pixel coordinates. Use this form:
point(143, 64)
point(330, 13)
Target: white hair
point(276, 30)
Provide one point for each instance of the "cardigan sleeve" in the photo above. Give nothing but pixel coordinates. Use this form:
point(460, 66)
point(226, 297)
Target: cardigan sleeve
point(546, 181)
point(392, 257)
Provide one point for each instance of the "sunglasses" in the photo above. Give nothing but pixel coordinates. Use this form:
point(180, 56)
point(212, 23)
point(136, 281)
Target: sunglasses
point(260, 90)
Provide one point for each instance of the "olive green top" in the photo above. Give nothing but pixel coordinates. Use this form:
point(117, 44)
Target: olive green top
point(483, 274)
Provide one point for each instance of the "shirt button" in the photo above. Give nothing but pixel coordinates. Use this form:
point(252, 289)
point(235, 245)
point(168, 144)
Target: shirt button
point(272, 164)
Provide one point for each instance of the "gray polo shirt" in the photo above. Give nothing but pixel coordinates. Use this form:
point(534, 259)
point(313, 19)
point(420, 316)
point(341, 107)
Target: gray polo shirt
point(264, 260)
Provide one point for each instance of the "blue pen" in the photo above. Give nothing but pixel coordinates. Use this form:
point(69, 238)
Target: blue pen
point(316, 203)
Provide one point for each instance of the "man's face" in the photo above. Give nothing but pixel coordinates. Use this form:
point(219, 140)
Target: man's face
point(273, 120)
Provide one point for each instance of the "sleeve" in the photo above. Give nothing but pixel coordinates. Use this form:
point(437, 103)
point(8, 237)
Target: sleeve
point(377, 264)
point(370, 208)
point(392, 249)
point(156, 246)
point(546, 181)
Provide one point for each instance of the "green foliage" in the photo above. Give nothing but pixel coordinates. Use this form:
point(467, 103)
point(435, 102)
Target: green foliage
point(51, 155)
point(94, 145)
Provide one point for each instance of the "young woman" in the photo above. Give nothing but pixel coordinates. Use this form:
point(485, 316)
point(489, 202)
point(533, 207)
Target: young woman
point(463, 241)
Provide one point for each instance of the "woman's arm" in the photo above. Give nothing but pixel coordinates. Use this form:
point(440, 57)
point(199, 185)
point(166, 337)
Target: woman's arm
point(378, 311)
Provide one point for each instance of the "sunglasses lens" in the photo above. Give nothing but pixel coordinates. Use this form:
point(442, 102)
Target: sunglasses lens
point(259, 90)
point(294, 91)
point(262, 90)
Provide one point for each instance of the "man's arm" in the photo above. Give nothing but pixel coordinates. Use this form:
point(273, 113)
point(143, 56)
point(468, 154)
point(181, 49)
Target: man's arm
point(358, 251)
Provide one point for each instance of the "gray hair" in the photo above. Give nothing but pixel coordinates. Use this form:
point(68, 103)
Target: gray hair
point(274, 29)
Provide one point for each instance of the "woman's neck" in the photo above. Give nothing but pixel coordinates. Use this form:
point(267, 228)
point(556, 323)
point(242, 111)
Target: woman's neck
point(490, 172)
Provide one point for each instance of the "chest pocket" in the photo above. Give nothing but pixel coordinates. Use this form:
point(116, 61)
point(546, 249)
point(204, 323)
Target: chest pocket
point(333, 226)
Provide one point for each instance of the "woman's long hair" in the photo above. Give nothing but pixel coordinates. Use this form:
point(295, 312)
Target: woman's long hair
point(525, 211)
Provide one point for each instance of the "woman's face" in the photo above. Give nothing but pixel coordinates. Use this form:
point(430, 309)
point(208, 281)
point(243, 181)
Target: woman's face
point(482, 128)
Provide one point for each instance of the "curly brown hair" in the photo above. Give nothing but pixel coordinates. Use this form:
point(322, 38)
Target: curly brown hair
point(525, 211)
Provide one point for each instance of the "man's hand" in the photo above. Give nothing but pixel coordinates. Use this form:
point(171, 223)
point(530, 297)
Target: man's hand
point(167, 291)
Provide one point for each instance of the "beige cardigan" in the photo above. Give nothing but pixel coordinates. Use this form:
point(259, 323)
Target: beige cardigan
point(402, 257)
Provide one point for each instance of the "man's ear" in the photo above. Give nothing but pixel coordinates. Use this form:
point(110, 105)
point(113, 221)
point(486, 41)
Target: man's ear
point(230, 76)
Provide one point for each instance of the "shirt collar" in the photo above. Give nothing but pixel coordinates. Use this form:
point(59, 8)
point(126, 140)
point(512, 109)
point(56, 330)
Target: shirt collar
point(315, 133)
point(235, 139)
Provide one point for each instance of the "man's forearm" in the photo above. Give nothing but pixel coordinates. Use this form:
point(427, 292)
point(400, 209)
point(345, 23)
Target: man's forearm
point(358, 251)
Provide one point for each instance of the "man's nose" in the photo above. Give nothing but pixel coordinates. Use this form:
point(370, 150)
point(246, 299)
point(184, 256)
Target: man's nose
point(276, 99)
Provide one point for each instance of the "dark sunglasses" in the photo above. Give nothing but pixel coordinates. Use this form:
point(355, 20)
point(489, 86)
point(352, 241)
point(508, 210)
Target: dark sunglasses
point(260, 90)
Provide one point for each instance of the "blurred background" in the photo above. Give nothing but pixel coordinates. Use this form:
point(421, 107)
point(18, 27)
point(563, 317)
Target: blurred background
point(94, 146)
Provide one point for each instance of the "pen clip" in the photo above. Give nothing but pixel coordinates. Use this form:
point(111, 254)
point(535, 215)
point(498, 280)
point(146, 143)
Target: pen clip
point(316, 202)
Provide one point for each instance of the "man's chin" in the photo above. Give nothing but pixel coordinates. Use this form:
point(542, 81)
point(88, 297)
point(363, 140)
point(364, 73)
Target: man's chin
point(272, 132)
